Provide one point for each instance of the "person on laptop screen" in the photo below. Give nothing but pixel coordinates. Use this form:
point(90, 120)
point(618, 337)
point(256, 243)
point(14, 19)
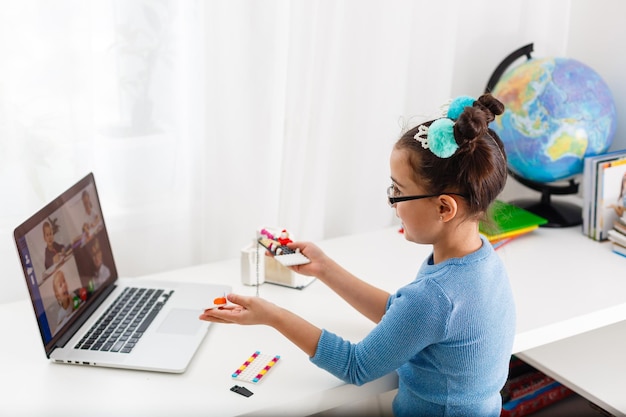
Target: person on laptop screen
point(92, 218)
point(64, 299)
point(101, 271)
point(54, 251)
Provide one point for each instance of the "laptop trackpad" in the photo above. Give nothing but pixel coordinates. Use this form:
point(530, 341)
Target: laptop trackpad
point(181, 321)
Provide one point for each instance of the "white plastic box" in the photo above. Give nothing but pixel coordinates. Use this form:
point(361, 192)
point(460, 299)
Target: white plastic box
point(269, 270)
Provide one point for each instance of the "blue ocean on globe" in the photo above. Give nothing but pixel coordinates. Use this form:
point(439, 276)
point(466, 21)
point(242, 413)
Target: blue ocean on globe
point(558, 111)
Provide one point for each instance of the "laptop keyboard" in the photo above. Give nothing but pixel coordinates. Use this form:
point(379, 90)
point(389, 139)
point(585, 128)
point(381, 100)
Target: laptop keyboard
point(125, 321)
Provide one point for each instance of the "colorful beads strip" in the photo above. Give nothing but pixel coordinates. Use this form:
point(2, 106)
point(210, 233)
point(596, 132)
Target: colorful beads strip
point(252, 371)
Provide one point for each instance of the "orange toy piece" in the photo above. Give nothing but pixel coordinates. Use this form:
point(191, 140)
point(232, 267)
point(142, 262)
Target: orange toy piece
point(219, 301)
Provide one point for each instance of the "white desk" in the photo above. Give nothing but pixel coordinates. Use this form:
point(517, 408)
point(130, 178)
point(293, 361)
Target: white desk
point(557, 294)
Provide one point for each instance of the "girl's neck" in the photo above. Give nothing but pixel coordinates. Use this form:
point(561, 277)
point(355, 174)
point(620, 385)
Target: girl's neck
point(457, 241)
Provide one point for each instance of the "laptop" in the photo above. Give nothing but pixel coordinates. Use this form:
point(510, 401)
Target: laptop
point(86, 314)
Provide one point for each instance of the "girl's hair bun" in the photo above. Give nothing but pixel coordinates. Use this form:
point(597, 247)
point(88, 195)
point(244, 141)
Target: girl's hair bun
point(474, 121)
point(491, 105)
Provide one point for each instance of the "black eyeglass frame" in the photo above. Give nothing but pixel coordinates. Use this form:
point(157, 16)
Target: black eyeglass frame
point(394, 200)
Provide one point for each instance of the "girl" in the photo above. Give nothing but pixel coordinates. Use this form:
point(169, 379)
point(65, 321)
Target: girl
point(448, 333)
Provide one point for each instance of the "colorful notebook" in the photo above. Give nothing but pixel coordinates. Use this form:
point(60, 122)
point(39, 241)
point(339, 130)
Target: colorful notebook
point(508, 220)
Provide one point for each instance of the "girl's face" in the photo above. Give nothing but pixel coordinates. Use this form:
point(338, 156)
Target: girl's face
point(48, 236)
point(60, 290)
point(419, 217)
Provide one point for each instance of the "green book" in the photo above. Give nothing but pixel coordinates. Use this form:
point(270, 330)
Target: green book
point(503, 219)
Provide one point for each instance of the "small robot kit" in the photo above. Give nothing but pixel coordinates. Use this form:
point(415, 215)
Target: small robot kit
point(257, 268)
point(278, 246)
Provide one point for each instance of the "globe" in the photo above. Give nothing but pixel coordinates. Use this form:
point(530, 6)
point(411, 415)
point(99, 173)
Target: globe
point(558, 111)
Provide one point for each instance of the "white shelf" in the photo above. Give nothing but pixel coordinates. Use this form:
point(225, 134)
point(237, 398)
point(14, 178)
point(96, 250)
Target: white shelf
point(593, 364)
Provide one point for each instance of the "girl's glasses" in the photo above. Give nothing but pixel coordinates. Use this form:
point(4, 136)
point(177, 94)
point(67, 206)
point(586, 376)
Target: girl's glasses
point(393, 199)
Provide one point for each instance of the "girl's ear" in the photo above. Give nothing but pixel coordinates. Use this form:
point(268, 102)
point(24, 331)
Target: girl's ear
point(448, 207)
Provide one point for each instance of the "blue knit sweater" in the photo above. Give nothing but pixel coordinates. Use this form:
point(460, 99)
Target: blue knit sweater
point(448, 334)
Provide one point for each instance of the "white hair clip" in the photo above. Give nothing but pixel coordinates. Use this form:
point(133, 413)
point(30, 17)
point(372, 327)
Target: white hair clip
point(422, 135)
point(443, 109)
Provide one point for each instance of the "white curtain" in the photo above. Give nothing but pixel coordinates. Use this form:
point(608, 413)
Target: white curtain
point(204, 120)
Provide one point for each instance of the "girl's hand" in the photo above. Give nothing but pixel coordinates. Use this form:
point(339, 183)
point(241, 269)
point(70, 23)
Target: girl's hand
point(243, 310)
point(255, 310)
point(319, 260)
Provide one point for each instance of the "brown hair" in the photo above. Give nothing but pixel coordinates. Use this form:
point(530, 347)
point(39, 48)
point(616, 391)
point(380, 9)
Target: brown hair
point(478, 168)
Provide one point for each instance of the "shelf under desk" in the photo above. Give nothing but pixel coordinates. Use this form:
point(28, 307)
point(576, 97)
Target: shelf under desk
point(592, 364)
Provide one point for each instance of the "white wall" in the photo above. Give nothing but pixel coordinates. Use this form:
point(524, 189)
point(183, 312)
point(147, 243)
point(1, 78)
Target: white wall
point(597, 36)
point(591, 31)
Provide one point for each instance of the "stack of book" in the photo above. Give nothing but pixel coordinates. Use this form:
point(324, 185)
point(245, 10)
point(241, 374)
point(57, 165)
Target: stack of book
point(617, 235)
point(528, 390)
point(506, 222)
point(604, 177)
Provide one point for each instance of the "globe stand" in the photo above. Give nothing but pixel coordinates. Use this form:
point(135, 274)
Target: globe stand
point(558, 213)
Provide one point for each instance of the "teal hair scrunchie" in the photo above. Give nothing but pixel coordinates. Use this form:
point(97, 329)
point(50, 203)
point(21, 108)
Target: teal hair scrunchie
point(458, 105)
point(441, 138)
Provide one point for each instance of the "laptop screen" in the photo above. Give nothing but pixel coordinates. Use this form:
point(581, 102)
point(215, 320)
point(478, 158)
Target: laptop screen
point(66, 257)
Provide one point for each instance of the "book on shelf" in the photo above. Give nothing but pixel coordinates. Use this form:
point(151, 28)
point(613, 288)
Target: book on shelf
point(507, 221)
point(617, 237)
point(620, 225)
point(528, 390)
point(619, 249)
point(602, 189)
point(610, 190)
point(589, 184)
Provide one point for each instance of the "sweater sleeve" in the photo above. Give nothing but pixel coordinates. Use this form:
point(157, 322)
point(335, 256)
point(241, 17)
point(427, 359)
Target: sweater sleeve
point(416, 317)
